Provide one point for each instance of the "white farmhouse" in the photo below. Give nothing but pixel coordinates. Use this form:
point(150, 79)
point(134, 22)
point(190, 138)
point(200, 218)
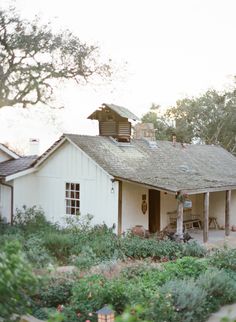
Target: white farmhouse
point(123, 181)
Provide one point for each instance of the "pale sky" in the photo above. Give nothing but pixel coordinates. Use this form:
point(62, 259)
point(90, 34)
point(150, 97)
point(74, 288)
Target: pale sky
point(171, 49)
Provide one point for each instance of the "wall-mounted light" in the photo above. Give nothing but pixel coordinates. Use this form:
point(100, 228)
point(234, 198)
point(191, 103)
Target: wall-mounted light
point(112, 185)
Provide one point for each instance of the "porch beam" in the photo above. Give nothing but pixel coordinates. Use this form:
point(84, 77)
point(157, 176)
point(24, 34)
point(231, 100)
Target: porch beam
point(206, 217)
point(227, 212)
point(180, 219)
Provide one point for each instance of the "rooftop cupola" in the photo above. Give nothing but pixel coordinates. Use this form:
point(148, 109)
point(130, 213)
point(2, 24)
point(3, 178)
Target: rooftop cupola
point(114, 121)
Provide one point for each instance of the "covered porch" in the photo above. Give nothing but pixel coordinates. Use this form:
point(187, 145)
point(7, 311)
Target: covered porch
point(205, 215)
point(214, 217)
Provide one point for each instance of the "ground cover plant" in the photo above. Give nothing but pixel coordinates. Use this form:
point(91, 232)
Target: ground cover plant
point(141, 279)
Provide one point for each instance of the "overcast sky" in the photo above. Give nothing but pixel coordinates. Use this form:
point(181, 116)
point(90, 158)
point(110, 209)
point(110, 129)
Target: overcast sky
point(171, 49)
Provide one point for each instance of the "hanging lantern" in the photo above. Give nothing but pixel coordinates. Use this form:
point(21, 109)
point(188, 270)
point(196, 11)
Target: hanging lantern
point(105, 315)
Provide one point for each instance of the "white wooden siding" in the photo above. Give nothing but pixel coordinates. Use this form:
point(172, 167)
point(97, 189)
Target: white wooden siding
point(131, 206)
point(5, 203)
point(69, 164)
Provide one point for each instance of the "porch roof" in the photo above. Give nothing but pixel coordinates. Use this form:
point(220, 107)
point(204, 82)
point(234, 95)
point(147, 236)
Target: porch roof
point(193, 168)
point(10, 167)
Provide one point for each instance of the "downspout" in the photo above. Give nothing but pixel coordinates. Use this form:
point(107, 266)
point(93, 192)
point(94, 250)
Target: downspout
point(12, 195)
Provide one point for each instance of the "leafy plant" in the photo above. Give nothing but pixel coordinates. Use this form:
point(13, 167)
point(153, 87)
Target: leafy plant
point(224, 258)
point(136, 247)
point(220, 288)
point(186, 267)
point(89, 294)
point(36, 253)
point(79, 223)
point(193, 248)
point(30, 219)
point(17, 282)
point(54, 291)
point(132, 314)
point(161, 308)
point(86, 258)
point(59, 244)
point(189, 300)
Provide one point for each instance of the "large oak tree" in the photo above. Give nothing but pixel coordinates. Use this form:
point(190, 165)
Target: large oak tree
point(209, 118)
point(32, 57)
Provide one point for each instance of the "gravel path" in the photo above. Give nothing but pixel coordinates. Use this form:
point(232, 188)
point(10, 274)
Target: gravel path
point(228, 311)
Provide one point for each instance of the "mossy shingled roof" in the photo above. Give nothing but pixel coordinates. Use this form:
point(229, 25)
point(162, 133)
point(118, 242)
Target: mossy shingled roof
point(163, 165)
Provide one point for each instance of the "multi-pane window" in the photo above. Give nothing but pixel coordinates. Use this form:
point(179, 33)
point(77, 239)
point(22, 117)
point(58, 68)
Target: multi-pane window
point(72, 198)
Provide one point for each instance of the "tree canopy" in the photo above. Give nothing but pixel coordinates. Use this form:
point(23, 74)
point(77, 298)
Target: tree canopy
point(32, 57)
point(209, 118)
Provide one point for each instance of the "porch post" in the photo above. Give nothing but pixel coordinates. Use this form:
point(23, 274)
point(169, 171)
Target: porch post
point(206, 217)
point(227, 212)
point(119, 207)
point(180, 218)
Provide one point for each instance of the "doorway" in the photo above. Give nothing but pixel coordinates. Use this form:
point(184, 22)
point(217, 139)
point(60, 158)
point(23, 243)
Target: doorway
point(154, 219)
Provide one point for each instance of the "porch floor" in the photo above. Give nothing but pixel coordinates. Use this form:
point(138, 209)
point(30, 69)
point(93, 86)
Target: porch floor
point(216, 237)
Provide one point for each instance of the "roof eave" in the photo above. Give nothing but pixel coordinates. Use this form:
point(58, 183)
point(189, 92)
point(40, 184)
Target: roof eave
point(8, 151)
point(209, 189)
point(19, 174)
point(131, 115)
point(173, 191)
point(168, 190)
point(50, 151)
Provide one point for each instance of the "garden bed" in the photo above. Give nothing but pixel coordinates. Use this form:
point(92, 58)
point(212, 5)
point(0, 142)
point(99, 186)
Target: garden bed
point(150, 280)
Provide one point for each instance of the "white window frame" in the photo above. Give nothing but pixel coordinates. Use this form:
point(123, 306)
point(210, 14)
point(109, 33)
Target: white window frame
point(72, 198)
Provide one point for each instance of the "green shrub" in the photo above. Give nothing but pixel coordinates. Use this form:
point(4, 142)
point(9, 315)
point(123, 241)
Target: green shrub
point(54, 291)
point(101, 239)
point(11, 237)
point(132, 314)
point(189, 300)
point(150, 277)
point(220, 288)
point(89, 294)
point(59, 245)
point(86, 259)
point(79, 223)
point(194, 249)
point(44, 313)
point(186, 267)
point(31, 219)
point(16, 281)
point(35, 251)
point(8, 229)
point(224, 258)
point(137, 270)
point(135, 247)
point(161, 309)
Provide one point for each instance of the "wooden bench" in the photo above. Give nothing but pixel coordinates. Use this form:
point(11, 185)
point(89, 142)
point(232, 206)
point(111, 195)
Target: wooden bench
point(190, 220)
point(189, 223)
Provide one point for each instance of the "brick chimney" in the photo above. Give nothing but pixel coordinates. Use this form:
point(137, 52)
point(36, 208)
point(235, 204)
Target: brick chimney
point(144, 131)
point(33, 146)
